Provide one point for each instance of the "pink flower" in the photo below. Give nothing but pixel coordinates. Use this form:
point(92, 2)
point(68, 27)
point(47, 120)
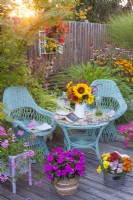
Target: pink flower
point(122, 129)
point(131, 136)
point(130, 124)
point(130, 128)
point(5, 143)
point(125, 144)
point(14, 165)
point(20, 133)
point(2, 131)
point(3, 178)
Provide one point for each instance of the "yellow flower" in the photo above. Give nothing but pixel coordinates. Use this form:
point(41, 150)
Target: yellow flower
point(69, 84)
point(90, 99)
point(106, 164)
point(80, 89)
point(103, 155)
point(99, 169)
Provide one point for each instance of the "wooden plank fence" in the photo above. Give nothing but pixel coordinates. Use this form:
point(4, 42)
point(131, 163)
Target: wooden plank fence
point(78, 47)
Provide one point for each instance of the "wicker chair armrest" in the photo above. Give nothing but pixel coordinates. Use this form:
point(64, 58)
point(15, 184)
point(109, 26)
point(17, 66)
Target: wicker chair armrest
point(20, 124)
point(122, 109)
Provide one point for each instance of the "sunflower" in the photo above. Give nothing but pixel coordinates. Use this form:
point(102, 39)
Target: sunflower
point(70, 90)
point(75, 99)
point(80, 89)
point(90, 99)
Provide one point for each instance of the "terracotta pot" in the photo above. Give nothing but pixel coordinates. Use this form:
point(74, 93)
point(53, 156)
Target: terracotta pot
point(67, 187)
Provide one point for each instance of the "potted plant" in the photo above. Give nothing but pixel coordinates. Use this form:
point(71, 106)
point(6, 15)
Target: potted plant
point(114, 167)
point(127, 132)
point(14, 157)
point(64, 168)
point(79, 94)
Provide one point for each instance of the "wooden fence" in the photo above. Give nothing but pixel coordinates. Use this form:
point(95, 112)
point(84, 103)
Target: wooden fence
point(78, 47)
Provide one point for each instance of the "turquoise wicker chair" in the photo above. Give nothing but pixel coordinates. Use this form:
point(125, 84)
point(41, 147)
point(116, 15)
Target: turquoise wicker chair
point(111, 100)
point(22, 109)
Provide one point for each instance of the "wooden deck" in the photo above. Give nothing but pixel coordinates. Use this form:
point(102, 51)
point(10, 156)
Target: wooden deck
point(91, 186)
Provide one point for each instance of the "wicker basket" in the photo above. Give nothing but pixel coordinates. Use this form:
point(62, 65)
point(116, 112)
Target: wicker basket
point(114, 180)
point(67, 187)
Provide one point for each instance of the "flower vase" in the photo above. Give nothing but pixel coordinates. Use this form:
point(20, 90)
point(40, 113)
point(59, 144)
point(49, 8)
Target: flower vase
point(80, 110)
point(67, 187)
point(113, 180)
point(15, 167)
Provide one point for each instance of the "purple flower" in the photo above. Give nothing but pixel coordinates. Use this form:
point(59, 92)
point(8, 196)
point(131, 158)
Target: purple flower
point(122, 129)
point(20, 133)
point(14, 165)
point(58, 173)
point(5, 143)
point(71, 171)
point(70, 159)
point(59, 150)
point(55, 167)
point(2, 131)
point(130, 128)
point(26, 144)
point(125, 144)
point(60, 160)
point(64, 172)
point(78, 167)
point(3, 178)
point(81, 173)
point(49, 176)
point(119, 170)
point(28, 154)
point(130, 124)
point(114, 165)
point(48, 168)
point(50, 158)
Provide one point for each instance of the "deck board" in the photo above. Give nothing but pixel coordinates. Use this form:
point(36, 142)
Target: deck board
point(91, 186)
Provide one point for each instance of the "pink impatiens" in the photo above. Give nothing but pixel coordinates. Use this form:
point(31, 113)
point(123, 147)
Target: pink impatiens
point(60, 164)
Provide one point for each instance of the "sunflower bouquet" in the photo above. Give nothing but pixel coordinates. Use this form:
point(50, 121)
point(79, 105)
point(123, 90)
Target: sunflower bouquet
point(79, 93)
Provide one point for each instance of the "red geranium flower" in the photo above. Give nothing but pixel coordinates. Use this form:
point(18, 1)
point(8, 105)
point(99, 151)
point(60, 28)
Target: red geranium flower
point(114, 157)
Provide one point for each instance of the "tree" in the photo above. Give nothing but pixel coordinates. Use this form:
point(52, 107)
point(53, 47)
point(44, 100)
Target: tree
point(17, 31)
point(100, 10)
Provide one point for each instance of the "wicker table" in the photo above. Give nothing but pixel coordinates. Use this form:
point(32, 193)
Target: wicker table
point(82, 135)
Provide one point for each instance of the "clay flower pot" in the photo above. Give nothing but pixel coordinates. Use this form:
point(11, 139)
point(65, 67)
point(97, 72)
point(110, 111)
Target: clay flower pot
point(67, 187)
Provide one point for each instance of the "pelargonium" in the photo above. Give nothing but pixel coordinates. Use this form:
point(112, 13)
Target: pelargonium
point(64, 165)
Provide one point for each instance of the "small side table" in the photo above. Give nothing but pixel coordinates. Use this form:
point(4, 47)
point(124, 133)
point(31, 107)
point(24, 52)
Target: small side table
point(75, 138)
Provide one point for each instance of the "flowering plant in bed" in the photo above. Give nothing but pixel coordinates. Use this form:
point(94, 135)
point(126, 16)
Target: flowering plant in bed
point(63, 168)
point(9, 148)
point(127, 132)
point(115, 166)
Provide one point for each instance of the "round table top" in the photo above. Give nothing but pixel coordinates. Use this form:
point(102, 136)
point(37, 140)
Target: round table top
point(79, 124)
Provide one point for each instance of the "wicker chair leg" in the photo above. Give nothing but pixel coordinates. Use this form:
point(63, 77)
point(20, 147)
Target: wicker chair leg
point(109, 134)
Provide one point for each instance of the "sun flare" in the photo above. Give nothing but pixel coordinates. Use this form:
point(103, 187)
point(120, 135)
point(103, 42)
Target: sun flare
point(22, 11)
